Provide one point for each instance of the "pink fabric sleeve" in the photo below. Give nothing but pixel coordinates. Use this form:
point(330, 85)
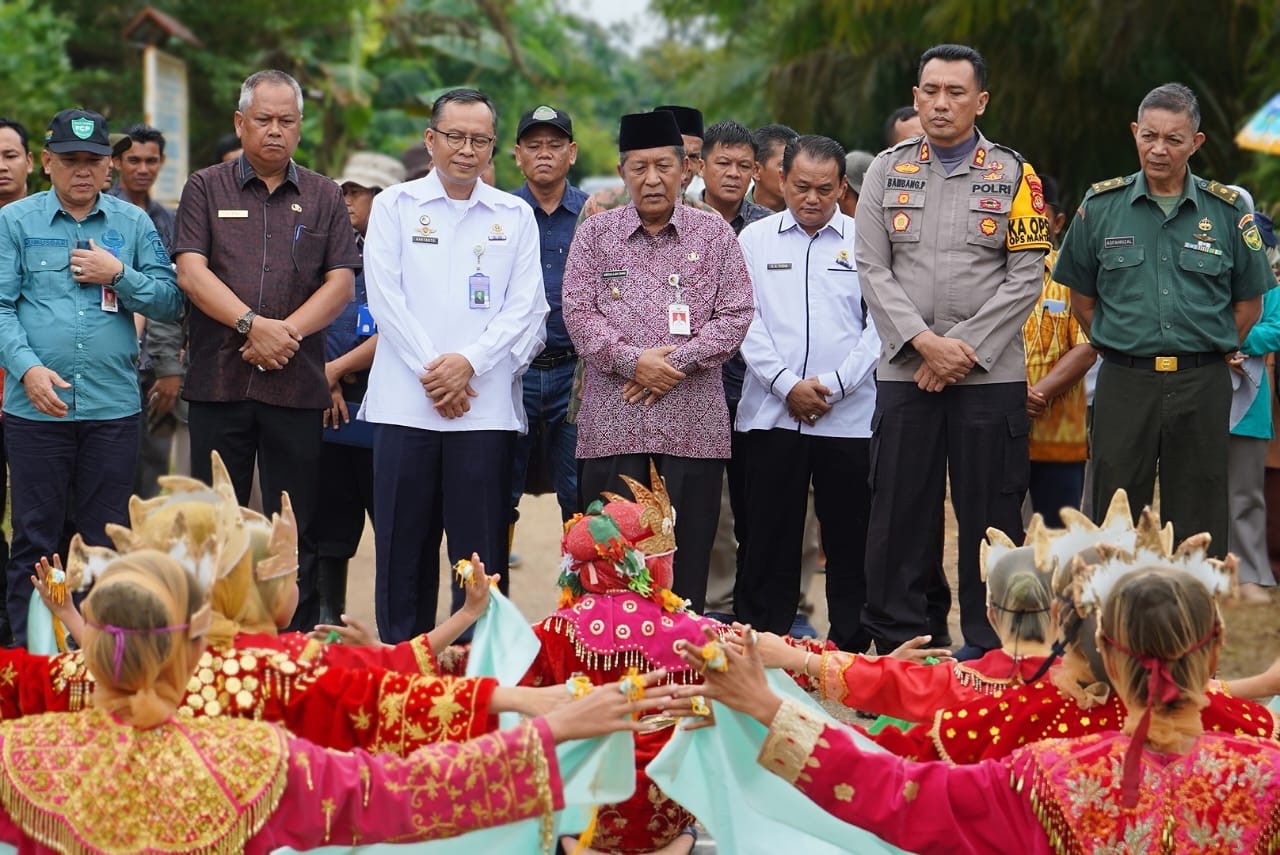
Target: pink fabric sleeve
point(437, 791)
point(920, 807)
point(892, 687)
point(720, 338)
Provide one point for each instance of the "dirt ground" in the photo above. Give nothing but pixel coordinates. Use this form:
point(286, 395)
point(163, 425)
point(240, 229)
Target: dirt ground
point(1253, 631)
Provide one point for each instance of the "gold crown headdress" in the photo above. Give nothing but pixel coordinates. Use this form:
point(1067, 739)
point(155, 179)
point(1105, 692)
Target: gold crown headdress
point(657, 512)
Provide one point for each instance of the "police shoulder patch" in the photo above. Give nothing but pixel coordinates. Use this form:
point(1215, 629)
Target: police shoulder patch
point(1111, 184)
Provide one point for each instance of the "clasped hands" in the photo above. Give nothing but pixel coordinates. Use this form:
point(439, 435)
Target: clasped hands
point(655, 376)
point(946, 361)
point(447, 382)
point(270, 343)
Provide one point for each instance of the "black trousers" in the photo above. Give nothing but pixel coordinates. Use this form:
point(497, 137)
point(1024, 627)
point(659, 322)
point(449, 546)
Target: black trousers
point(345, 496)
point(780, 466)
point(424, 483)
point(977, 434)
point(1178, 420)
point(82, 469)
point(693, 483)
point(285, 442)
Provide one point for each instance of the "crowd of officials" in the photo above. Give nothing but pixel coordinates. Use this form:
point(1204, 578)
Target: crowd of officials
point(816, 334)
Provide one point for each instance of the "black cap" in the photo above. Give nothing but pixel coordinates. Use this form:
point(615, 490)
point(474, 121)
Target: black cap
point(545, 115)
point(78, 130)
point(688, 119)
point(648, 130)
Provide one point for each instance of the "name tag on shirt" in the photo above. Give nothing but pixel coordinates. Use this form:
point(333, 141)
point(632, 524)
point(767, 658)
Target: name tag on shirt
point(232, 214)
point(478, 286)
point(678, 319)
point(779, 265)
point(110, 303)
point(614, 274)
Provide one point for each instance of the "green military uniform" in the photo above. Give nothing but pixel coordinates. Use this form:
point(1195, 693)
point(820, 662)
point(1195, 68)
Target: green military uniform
point(1165, 286)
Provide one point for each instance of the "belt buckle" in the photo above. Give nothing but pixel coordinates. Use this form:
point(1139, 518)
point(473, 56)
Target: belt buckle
point(1166, 363)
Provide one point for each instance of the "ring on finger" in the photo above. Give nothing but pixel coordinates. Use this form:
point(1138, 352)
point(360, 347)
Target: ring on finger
point(76, 270)
point(261, 368)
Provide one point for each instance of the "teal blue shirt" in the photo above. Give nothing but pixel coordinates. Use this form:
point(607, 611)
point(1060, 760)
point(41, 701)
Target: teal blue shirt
point(47, 319)
point(1263, 338)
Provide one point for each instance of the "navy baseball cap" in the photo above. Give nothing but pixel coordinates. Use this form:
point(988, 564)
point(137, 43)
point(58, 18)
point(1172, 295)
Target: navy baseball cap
point(78, 130)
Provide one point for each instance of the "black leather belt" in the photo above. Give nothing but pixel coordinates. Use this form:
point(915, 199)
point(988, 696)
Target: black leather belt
point(1172, 362)
point(551, 358)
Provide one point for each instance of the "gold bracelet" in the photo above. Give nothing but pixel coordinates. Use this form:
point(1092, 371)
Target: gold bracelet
point(1222, 685)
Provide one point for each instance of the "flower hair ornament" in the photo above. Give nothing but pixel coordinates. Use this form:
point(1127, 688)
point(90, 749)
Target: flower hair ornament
point(1092, 587)
point(622, 546)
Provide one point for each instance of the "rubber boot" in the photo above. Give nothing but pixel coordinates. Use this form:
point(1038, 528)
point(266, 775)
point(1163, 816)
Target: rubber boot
point(332, 588)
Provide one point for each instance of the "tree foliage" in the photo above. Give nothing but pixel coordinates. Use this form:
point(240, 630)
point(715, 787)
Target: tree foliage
point(1065, 76)
point(370, 69)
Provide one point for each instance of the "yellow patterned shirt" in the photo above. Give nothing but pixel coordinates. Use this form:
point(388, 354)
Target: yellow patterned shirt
point(1058, 434)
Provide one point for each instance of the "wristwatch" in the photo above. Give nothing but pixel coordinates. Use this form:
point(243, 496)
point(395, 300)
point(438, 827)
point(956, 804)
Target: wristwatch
point(244, 323)
point(115, 280)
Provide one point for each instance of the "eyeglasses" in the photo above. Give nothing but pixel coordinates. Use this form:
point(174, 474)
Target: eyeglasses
point(457, 141)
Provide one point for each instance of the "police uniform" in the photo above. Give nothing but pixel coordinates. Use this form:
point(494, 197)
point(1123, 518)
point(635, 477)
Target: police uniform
point(1165, 288)
point(960, 254)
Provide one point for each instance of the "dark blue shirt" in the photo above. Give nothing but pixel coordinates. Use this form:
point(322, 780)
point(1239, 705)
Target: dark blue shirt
point(341, 336)
point(556, 233)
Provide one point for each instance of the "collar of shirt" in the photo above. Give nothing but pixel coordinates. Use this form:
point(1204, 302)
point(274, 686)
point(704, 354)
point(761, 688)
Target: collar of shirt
point(572, 199)
point(247, 174)
point(152, 207)
point(53, 206)
point(430, 189)
point(787, 221)
point(1140, 190)
point(631, 223)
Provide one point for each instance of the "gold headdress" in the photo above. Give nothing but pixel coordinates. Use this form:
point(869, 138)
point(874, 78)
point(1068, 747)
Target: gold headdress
point(201, 526)
point(657, 514)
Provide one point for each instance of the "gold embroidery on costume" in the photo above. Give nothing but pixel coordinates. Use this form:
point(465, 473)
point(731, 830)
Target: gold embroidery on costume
point(422, 655)
point(844, 792)
point(910, 790)
point(493, 787)
point(791, 740)
point(328, 807)
point(303, 761)
point(203, 789)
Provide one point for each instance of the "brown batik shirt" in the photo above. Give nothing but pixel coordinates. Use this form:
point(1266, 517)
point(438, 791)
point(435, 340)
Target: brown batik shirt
point(273, 250)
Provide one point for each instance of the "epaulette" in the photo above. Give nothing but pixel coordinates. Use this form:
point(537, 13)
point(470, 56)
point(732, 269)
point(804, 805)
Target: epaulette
point(1221, 191)
point(908, 141)
point(1111, 184)
point(1017, 156)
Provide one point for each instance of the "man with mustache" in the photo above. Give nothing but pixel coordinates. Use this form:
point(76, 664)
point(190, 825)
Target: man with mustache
point(1167, 274)
point(75, 266)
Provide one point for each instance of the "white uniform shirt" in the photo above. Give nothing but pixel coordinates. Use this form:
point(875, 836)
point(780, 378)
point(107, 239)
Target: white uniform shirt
point(419, 253)
point(809, 320)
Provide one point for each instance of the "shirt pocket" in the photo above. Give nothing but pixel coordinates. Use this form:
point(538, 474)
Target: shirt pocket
point(988, 220)
point(1202, 282)
point(1119, 274)
point(46, 259)
point(309, 252)
point(903, 214)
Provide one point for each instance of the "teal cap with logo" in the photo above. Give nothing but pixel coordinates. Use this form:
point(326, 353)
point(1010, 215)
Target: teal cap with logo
point(78, 130)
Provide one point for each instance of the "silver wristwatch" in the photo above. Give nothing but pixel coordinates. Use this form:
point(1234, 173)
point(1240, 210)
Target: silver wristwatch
point(244, 323)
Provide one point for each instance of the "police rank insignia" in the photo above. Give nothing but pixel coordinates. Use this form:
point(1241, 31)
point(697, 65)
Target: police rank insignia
point(988, 226)
point(907, 168)
point(904, 198)
point(993, 175)
point(842, 259)
point(979, 156)
point(496, 233)
point(989, 204)
point(901, 221)
point(1205, 225)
